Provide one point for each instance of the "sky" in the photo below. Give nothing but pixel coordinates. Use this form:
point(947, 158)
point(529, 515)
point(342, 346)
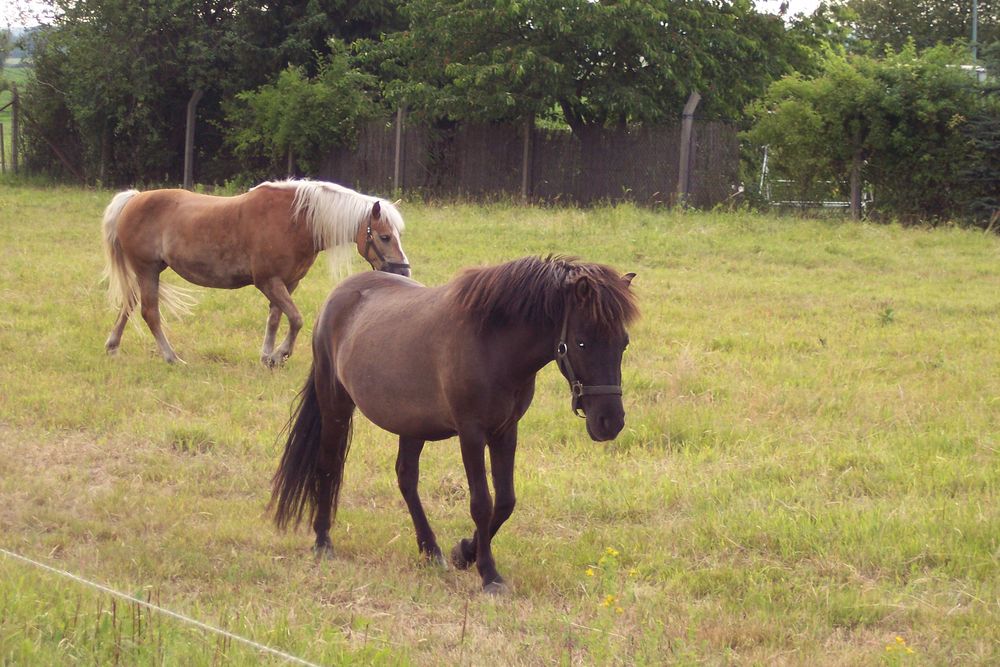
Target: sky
point(12, 12)
point(19, 13)
point(794, 6)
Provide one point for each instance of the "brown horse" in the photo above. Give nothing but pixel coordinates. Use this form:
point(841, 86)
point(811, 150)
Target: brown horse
point(461, 359)
point(267, 237)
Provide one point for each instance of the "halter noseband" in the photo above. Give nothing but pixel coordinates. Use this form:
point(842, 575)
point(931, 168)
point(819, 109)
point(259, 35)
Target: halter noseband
point(577, 388)
point(386, 264)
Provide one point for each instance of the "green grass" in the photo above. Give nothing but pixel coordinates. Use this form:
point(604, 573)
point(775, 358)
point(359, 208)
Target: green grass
point(810, 467)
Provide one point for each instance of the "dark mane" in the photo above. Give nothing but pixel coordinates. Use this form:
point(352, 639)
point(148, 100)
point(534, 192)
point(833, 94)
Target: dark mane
point(535, 290)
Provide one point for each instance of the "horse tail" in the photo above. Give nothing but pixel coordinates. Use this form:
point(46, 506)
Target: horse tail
point(123, 286)
point(312, 458)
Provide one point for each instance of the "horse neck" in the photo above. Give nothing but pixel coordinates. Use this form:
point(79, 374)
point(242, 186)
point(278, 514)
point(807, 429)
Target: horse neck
point(527, 349)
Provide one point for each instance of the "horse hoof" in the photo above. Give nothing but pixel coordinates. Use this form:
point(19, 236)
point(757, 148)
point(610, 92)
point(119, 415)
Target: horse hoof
point(458, 558)
point(323, 551)
point(496, 588)
point(276, 360)
point(435, 559)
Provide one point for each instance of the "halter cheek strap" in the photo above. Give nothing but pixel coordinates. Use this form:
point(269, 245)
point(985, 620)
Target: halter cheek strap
point(577, 388)
point(386, 264)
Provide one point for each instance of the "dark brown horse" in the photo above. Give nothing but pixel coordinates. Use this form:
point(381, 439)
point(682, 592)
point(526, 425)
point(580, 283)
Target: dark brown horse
point(267, 237)
point(461, 359)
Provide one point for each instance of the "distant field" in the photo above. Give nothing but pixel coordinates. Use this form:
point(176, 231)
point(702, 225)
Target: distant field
point(809, 475)
point(12, 71)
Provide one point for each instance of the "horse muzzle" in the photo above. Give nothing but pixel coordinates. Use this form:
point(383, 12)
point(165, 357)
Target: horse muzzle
point(605, 418)
point(398, 268)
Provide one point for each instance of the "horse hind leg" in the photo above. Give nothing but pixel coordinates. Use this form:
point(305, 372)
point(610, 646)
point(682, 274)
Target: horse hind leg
point(336, 424)
point(149, 298)
point(407, 475)
point(115, 337)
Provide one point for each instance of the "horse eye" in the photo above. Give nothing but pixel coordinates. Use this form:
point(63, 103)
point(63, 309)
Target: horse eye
point(385, 237)
point(580, 345)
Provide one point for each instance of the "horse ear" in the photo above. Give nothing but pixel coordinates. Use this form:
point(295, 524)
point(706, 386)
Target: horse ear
point(377, 210)
point(582, 288)
point(628, 278)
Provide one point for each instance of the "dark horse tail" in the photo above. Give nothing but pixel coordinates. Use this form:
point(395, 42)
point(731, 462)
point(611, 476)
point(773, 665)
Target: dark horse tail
point(310, 461)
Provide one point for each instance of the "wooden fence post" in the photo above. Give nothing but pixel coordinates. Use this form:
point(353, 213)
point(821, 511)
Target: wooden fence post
point(14, 128)
point(189, 139)
point(397, 161)
point(526, 182)
point(684, 168)
point(3, 153)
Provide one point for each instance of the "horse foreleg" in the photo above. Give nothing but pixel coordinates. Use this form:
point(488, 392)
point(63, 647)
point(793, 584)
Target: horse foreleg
point(502, 449)
point(270, 332)
point(279, 295)
point(407, 475)
point(481, 508)
point(149, 296)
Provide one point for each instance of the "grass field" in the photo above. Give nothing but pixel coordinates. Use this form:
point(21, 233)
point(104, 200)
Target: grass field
point(809, 473)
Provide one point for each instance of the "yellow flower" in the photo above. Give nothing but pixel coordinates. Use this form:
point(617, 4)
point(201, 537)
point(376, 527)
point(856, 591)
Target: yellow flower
point(633, 572)
point(611, 551)
point(590, 571)
point(619, 610)
point(900, 640)
point(608, 600)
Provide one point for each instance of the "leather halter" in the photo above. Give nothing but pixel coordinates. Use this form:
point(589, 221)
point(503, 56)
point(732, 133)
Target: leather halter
point(577, 388)
point(386, 264)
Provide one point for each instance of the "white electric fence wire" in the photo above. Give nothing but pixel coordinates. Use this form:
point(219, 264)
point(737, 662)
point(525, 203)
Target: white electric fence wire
point(173, 614)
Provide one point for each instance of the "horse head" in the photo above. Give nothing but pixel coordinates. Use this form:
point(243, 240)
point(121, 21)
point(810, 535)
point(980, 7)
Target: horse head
point(378, 242)
point(590, 347)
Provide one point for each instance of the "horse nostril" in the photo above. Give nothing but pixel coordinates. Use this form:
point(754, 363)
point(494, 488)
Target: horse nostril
point(611, 425)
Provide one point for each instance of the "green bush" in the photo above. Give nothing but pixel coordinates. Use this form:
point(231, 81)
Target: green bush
point(904, 118)
point(307, 116)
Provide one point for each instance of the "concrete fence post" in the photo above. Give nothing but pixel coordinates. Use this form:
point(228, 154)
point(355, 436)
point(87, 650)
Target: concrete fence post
point(684, 166)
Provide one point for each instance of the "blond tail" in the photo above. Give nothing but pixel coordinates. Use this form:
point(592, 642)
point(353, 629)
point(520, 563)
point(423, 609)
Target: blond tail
point(123, 287)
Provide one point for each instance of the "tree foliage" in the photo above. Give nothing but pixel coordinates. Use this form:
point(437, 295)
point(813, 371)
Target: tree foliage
point(6, 45)
point(304, 115)
point(113, 77)
point(906, 116)
point(877, 24)
point(595, 63)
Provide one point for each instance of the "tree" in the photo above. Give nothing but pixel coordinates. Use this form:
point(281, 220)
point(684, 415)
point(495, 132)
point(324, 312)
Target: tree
point(115, 79)
point(877, 24)
point(899, 122)
point(596, 63)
